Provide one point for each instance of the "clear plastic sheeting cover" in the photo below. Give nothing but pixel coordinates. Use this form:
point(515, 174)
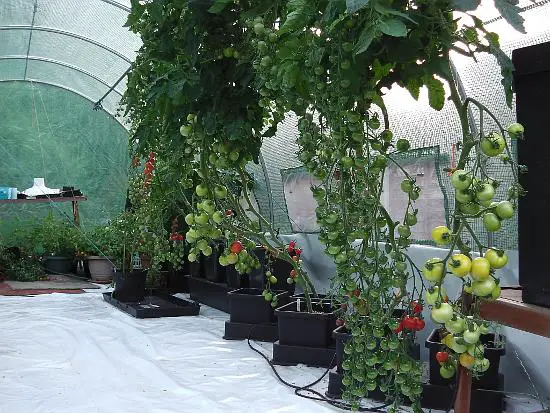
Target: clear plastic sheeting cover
point(50, 133)
point(78, 45)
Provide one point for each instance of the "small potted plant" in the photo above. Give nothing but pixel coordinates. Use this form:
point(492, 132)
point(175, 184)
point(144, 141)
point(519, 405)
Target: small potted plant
point(97, 245)
point(129, 282)
point(54, 242)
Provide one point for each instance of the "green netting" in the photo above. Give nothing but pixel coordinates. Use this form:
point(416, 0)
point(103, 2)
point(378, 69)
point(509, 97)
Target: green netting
point(52, 133)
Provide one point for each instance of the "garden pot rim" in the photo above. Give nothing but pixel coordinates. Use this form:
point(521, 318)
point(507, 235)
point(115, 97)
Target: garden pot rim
point(97, 257)
point(285, 309)
point(240, 292)
point(57, 257)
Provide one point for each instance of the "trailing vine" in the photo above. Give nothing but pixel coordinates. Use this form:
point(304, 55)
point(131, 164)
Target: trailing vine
point(213, 78)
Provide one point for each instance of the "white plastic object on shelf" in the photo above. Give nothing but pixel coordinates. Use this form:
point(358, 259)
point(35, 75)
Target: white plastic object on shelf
point(39, 188)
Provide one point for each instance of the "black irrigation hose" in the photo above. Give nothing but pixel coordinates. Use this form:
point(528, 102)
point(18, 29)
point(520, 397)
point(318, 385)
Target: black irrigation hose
point(321, 397)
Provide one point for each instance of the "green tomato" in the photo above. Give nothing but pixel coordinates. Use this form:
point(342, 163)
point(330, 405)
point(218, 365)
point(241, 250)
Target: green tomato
point(404, 231)
point(220, 191)
point(491, 222)
point(460, 179)
point(442, 314)
point(483, 288)
point(259, 28)
point(432, 295)
point(201, 219)
point(504, 210)
point(447, 371)
point(459, 265)
point(411, 219)
point(192, 257)
point(407, 186)
point(455, 326)
point(433, 270)
point(189, 219)
point(471, 337)
point(481, 366)
point(201, 190)
point(492, 144)
point(346, 162)
point(516, 130)
point(217, 217)
point(477, 350)
point(403, 145)
point(485, 192)
point(207, 251)
point(186, 130)
point(463, 196)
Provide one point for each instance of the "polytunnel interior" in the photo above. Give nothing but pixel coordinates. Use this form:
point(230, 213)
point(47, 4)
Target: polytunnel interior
point(63, 67)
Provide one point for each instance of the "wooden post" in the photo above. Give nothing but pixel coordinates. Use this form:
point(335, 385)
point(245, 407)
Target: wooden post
point(76, 214)
point(464, 391)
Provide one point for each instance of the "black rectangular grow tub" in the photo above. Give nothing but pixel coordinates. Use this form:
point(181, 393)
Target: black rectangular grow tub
point(488, 380)
point(248, 305)
point(300, 328)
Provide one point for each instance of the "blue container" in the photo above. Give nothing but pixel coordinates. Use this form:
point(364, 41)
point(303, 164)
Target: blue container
point(4, 192)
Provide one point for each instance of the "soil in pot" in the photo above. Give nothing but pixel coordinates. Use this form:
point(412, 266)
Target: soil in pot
point(248, 305)
point(488, 380)
point(129, 287)
point(298, 327)
point(101, 269)
point(58, 265)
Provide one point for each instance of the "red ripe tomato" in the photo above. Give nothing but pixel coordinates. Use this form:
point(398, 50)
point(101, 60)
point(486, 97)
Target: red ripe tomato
point(340, 322)
point(236, 247)
point(356, 293)
point(399, 328)
point(292, 245)
point(228, 212)
point(298, 251)
point(442, 356)
point(409, 323)
point(419, 324)
point(416, 307)
point(293, 274)
point(344, 307)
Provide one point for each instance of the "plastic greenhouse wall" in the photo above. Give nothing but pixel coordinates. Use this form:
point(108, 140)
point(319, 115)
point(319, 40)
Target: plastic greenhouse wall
point(53, 133)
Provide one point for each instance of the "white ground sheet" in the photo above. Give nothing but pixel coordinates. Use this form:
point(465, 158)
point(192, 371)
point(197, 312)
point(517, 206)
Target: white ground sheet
point(78, 354)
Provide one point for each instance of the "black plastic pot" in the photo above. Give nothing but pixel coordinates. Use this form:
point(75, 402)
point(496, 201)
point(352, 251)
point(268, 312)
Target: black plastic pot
point(531, 83)
point(211, 268)
point(129, 287)
point(234, 279)
point(195, 268)
point(176, 282)
point(281, 269)
point(297, 327)
point(248, 305)
point(489, 380)
point(57, 265)
point(302, 297)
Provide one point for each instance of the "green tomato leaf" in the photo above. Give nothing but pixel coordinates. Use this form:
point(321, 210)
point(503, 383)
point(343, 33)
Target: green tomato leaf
point(436, 92)
point(510, 12)
point(365, 39)
point(383, 10)
point(466, 5)
point(219, 6)
point(333, 9)
point(506, 70)
point(413, 85)
point(393, 27)
point(297, 19)
point(354, 5)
